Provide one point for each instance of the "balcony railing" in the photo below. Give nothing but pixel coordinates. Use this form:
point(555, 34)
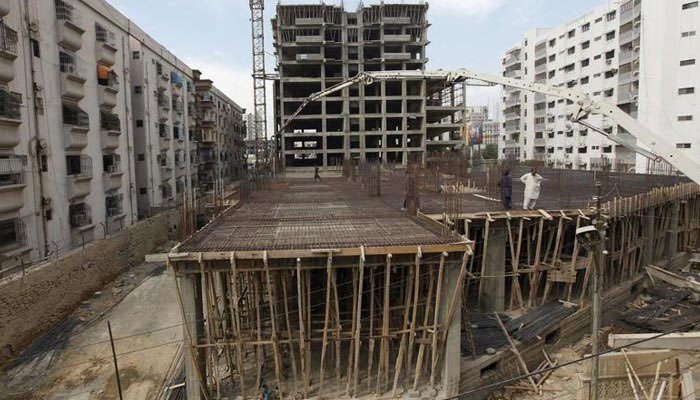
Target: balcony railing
point(69, 64)
point(162, 130)
point(104, 35)
point(113, 205)
point(13, 234)
point(85, 168)
point(163, 101)
point(79, 215)
point(10, 105)
point(65, 11)
point(75, 116)
point(109, 121)
point(112, 79)
point(8, 39)
point(114, 168)
point(12, 170)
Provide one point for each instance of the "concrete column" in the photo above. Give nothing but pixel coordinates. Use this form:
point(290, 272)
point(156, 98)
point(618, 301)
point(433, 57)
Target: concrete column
point(493, 290)
point(672, 233)
point(648, 231)
point(453, 349)
point(191, 291)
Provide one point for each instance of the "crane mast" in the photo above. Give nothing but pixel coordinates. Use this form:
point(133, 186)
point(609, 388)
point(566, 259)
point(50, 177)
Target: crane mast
point(257, 25)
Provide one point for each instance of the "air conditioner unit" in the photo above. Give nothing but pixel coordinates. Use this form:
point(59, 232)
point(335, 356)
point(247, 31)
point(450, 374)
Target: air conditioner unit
point(609, 62)
point(636, 49)
point(635, 73)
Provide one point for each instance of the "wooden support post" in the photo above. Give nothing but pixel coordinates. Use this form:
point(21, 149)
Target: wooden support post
point(483, 260)
point(424, 326)
point(515, 351)
point(382, 367)
point(414, 316)
point(303, 354)
point(235, 320)
point(370, 355)
point(358, 325)
point(402, 346)
point(273, 318)
point(535, 275)
point(436, 320)
point(289, 330)
point(329, 281)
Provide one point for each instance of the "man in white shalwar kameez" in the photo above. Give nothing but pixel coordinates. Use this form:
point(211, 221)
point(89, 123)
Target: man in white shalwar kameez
point(532, 182)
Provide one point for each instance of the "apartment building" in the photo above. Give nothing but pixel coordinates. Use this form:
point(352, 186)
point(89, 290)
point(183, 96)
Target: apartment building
point(317, 46)
point(66, 169)
point(86, 100)
point(620, 52)
point(221, 133)
point(162, 94)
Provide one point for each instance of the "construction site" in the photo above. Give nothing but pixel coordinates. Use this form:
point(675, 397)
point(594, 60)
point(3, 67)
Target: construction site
point(370, 254)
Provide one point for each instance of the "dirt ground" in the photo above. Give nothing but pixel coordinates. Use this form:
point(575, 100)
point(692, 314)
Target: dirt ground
point(74, 360)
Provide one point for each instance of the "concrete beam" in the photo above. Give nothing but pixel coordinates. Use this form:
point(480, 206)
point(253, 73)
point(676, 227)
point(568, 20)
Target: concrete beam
point(195, 362)
point(453, 345)
point(671, 341)
point(493, 271)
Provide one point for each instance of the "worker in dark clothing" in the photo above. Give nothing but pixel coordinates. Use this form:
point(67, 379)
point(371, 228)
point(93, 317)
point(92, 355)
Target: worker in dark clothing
point(266, 394)
point(506, 185)
point(316, 175)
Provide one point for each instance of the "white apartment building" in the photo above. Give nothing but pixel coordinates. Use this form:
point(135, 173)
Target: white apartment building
point(81, 91)
point(221, 135)
point(620, 52)
point(162, 98)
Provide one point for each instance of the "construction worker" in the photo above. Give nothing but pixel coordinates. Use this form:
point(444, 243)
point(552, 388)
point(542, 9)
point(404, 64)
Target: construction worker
point(532, 182)
point(266, 394)
point(506, 185)
point(316, 175)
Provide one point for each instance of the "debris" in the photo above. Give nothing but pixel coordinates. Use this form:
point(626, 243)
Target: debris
point(671, 341)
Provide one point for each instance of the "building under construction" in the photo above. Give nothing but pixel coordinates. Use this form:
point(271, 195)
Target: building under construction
point(318, 46)
point(331, 289)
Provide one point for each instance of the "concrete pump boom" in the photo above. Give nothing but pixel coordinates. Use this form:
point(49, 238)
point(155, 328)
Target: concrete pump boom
point(659, 146)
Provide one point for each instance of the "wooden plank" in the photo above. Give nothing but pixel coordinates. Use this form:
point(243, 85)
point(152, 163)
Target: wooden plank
point(273, 319)
point(303, 355)
point(515, 351)
point(329, 281)
point(414, 316)
point(383, 365)
point(236, 322)
point(436, 320)
point(358, 326)
point(672, 278)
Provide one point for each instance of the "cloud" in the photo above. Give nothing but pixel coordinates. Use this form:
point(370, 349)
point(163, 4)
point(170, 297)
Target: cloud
point(474, 8)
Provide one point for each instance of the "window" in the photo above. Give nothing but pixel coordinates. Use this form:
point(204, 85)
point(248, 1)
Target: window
point(685, 118)
point(610, 35)
point(143, 190)
point(586, 27)
point(687, 90)
point(139, 123)
point(585, 62)
point(610, 16)
point(141, 157)
point(687, 62)
point(135, 55)
point(551, 74)
point(597, 38)
point(36, 50)
point(607, 149)
point(688, 34)
point(597, 57)
point(682, 145)
point(138, 89)
point(552, 42)
point(598, 20)
point(584, 80)
point(610, 54)
point(571, 50)
point(571, 33)
point(552, 57)
point(586, 44)
point(688, 6)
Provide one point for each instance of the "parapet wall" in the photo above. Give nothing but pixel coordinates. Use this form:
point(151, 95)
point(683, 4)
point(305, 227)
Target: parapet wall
point(34, 302)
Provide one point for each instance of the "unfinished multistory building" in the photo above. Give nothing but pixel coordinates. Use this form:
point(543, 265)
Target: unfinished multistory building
point(318, 46)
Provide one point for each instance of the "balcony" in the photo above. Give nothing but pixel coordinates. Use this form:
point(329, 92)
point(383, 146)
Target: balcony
point(628, 36)
point(541, 68)
point(79, 171)
point(112, 180)
point(163, 108)
point(73, 77)
point(308, 21)
point(106, 46)
point(313, 57)
point(76, 124)
point(513, 59)
point(396, 20)
point(540, 142)
point(110, 129)
point(70, 31)
point(13, 239)
point(309, 39)
point(627, 56)
point(12, 183)
point(397, 56)
point(397, 38)
point(80, 216)
point(113, 205)
point(10, 118)
point(514, 73)
point(8, 52)
point(108, 87)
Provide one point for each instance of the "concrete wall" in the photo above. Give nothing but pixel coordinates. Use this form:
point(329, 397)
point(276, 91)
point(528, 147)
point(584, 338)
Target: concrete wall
point(33, 304)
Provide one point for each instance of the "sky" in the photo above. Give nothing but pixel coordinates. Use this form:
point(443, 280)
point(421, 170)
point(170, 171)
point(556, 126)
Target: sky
point(214, 35)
